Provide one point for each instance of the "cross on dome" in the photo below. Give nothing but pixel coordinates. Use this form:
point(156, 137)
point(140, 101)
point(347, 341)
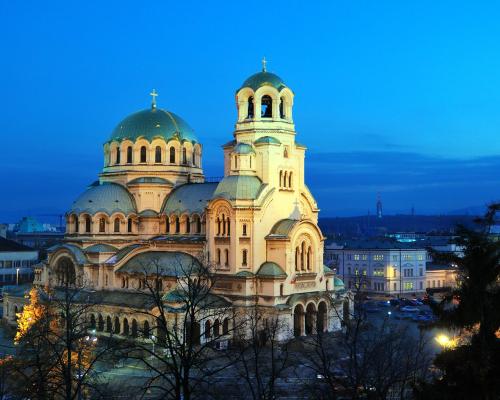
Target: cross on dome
point(153, 95)
point(264, 63)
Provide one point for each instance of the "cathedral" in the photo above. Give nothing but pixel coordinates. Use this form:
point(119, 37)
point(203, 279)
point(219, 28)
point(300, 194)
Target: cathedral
point(257, 227)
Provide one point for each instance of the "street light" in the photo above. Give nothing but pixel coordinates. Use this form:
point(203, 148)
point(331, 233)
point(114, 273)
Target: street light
point(17, 276)
point(153, 340)
point(444, 341)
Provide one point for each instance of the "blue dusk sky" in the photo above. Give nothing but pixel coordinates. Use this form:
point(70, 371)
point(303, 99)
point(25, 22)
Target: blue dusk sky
point(393, 97)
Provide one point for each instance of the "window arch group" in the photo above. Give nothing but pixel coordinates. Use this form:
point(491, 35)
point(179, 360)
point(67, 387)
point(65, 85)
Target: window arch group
point(304, 256)
point(286, 179)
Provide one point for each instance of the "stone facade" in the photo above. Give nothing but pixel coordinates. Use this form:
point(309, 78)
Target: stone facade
point(257, 228)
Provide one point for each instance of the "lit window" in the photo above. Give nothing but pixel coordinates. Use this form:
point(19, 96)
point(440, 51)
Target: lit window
point(356, 257)
point(378, 257)
point(408, 286)
point(365, 257)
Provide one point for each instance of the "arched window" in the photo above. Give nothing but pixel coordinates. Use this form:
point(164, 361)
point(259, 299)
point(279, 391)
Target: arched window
point(177, 225)
point(285, 180)
point(88, 223)
point(77, 224)
point(282, 108)
point(172, 155)
point(218, 256)
point(184, 156)
point(216, 328)
point(198, 224)
point(102, 225)
point(145, 330)
point(207, 329)
point(117, 160)
point(218, 226)
point(225, 326)
point(244, 229)
point(167, 225)
point(188, 225)
point(143, 154)
point(117, 225)
point(129, 225)
point(296, 259)
point(266, 107)
point(223, 225)
point(92, 321)
point(290, 180)
point(226, 257)
point(250, 111)
point(117, 326)
point(302, 254)
point(309, 255)
point(228, 227)
point(281, 178)
point(244, 258)
point(129, 155)
point(100, 323)
point(285, 153)
point(109, 325)
point(158, 154)
point(125, 327)
point(134, 328)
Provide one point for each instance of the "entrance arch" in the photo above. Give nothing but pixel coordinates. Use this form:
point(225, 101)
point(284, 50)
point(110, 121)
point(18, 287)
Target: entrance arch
point(298, 320)
point(322, 322)
point(310, 318)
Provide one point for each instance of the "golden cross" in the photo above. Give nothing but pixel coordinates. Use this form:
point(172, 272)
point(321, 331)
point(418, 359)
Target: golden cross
point(153, 94)
point(264, 62)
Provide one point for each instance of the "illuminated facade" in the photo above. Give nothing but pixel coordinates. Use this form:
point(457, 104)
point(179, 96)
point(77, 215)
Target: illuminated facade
point(257, 227)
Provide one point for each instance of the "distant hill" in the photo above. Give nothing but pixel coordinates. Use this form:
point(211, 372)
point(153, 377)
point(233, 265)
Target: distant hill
point(370, 225)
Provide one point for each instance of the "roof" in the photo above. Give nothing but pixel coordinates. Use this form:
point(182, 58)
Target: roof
point(267, 140)
point(379, 245)
point(243, 148)
point(270, 269)
point(148, 213)
point(165, 263)
point(10, 245)
point(327, 270)
point(283, 227)
point(239, 187)
point(76, 251)
point(190, 197)
point(207, 300)
point(151, 180)
point(152, 123)
point(245, 274)
point(107, 197)
point(438, 267)
point(264, 78)
point(100, 248)
point(122, 253)
point(338, 283)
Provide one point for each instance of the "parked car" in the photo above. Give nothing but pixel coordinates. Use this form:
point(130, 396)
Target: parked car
point(410, 309)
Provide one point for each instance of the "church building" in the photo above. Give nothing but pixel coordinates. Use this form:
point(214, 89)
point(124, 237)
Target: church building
point(257, 227)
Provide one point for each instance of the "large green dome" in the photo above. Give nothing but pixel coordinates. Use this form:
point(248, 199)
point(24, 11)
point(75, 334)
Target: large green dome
point(152, 123)
point(262, 79)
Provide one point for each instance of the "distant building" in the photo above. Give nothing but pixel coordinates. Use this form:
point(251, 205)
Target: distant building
point(3, 230)
point(32, 233)
point(439, 276)
point(16, 262)
point(388, 267)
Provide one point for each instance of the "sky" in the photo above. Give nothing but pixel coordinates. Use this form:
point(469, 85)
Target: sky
point(392, 97)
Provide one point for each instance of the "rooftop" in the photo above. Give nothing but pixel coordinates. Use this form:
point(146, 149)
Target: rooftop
point(10, 245)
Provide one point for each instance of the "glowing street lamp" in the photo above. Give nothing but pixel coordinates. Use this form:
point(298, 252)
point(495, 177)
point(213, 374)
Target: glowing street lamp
point(444, 341)
point(17, 276)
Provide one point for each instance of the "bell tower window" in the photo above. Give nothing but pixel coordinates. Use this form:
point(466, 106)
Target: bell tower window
point(266, 107)
point(102, 225)
point(117, 225)
point(282, 108)
point(77, 223)
point(184, 156)
point(143, 154)
point(87, 224)
point(117, 161)
point(250, 113)
point(129, 225)
point(129, 155)
point(172, 155)
point(158, 154)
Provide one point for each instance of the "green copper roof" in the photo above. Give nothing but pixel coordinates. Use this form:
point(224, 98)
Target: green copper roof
point(337, 282)
point(264, 79)
point(107, 198)
point(205, 300)
point(101, 248)
point(122, 253)
point(190, 198)
point(76, 251)
point(165, 263)
point(152, 123)
point(270, 269)
point(327, 270)
point(151, 180)
point(267, 140)
point(245, 274)
point(283, 227)
point(239, 187)
point(243, 148)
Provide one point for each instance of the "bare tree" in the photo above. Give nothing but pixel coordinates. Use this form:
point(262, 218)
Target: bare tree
point(187, 324)
point(260, 356)
point(366, 360)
